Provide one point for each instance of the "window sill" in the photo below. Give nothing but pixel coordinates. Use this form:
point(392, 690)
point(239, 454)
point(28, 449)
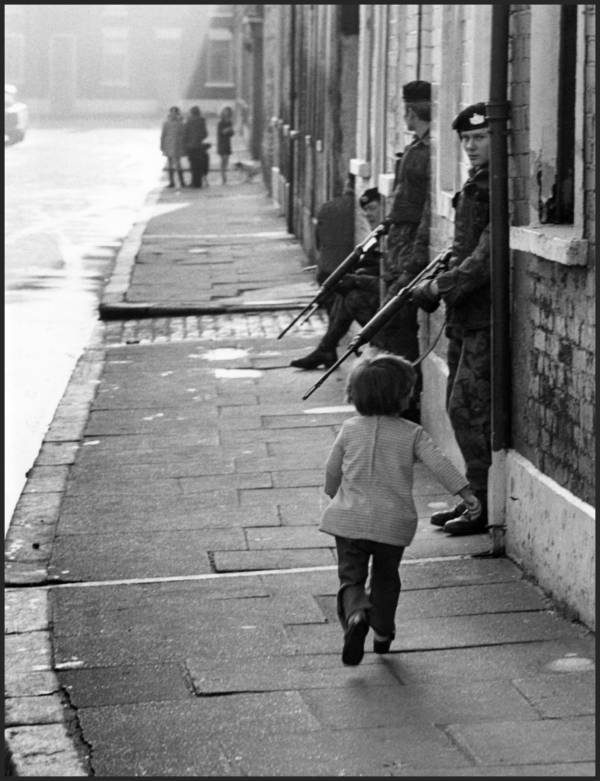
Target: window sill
point(360, 168)
point(557, 243)
point(385, 184)
point(444, 205)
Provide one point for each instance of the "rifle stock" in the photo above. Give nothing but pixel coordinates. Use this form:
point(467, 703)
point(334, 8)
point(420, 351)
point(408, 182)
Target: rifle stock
point(384, 314)
point(336, 275)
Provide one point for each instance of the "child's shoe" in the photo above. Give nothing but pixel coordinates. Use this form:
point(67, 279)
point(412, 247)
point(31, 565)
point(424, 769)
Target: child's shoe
point(381, 645)
point(354, 638)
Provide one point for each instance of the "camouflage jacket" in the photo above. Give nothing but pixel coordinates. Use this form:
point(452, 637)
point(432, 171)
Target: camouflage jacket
point(465, 286)
point(408, 238)
point(413, 182)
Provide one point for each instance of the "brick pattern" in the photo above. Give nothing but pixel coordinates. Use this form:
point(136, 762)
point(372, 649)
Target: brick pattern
point(554, 389)
point(553, 306)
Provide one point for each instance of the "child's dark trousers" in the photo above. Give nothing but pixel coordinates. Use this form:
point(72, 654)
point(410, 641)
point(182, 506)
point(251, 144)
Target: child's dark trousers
point(353, 569)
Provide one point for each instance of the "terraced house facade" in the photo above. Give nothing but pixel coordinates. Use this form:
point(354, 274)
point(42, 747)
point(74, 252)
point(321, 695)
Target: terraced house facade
point(333, 77)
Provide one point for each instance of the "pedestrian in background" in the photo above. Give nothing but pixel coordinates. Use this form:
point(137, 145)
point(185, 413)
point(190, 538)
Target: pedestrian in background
point(465, 290)
point(194, 133)
point(372, 515)
point(224, 132)
point(171, 144)
point(408, 238)
point(355, 297)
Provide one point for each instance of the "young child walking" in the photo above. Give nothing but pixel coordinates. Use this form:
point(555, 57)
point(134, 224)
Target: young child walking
point(369, 477)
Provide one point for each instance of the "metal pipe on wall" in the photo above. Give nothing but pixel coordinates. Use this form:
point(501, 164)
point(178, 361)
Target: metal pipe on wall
point(497, 113)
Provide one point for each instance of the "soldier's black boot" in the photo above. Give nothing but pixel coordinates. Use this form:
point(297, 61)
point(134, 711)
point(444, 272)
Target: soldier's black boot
point(318, 357)
point(467, 525)
point(439, 519)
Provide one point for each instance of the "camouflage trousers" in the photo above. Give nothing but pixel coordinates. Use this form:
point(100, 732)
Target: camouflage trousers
point(359, 305)
point(468, 400)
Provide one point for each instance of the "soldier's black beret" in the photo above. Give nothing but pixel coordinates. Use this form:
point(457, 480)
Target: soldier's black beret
point(372, 194)
point(415, 91)
point(471, 118)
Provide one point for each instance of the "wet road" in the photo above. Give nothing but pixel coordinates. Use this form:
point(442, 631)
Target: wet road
point(72, 193)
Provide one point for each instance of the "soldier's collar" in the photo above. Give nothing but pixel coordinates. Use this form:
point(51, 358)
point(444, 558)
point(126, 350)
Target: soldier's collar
point(424, 139)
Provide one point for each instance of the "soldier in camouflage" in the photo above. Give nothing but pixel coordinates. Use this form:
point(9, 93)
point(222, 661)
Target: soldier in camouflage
point(408, 238)
point(465, 290)
point(355, 297)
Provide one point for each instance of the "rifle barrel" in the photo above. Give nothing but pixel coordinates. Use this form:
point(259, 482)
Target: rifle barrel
point(295, 320)
point(329, 371)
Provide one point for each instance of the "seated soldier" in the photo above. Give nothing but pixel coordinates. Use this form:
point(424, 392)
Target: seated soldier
point(356, 296)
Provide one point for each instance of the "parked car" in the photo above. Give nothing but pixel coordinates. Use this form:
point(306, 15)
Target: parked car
point(16, 116)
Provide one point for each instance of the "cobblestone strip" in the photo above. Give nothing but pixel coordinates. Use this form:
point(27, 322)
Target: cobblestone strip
point(206, 327)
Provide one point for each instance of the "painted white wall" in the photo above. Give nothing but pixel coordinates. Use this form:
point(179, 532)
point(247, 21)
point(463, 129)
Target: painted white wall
point(556, 542)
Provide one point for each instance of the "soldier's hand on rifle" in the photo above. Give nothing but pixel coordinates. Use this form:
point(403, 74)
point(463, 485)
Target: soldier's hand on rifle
point(346, 283)
point(426, 295)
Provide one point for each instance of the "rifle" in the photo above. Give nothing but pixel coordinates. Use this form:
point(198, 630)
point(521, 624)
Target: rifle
point(345, 266)
point(387, 311)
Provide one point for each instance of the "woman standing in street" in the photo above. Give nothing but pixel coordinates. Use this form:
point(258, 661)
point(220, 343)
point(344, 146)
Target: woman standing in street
point(171, 144)
point(224, 133)
point(194, 134)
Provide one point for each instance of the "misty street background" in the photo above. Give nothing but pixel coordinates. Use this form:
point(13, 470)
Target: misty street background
point(72, 191)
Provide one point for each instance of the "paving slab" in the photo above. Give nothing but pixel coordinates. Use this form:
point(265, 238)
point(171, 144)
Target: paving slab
point(354, 752)
point(546, 740)
point(487, 662)
point(240, 561)
point(158, 513)
point(281, 673)
point(151, 644)
point(445, 632)
point(45, 750)
point(127, 555)
point(123, 685)
point(287, 538)
point(559, 697)
point(461, 600)
point(362, 706)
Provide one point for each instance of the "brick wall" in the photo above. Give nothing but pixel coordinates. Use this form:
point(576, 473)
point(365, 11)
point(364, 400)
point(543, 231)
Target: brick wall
point(553, 305)
point(553, 326)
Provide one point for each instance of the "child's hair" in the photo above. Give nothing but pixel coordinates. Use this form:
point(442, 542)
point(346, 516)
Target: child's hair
point(382, 385)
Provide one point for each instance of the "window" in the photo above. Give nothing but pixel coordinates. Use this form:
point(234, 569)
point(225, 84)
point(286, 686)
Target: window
point(14, 58)
point(557, 115)
point(553, 124)
point(565, 142)
point(115, 57)
point(220, 56)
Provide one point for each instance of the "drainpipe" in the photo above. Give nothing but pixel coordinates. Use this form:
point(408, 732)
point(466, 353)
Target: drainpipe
point(290, 171)
point(419, 38)
point(497, 112)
